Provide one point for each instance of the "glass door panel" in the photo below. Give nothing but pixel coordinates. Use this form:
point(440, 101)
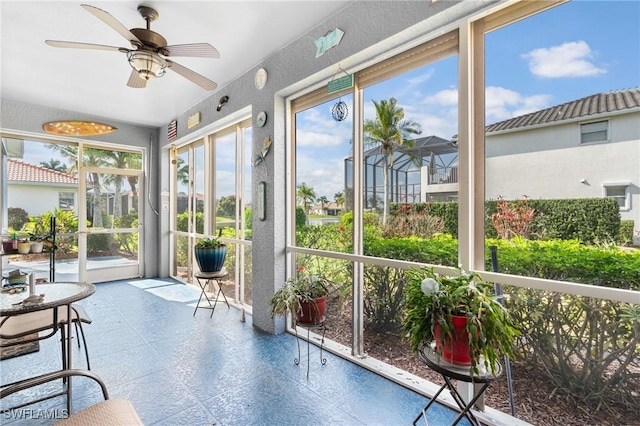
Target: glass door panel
point(112, 226)
point(40, 181)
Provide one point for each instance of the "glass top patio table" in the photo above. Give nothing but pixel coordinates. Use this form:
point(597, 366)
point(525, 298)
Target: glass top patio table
point(55, 294)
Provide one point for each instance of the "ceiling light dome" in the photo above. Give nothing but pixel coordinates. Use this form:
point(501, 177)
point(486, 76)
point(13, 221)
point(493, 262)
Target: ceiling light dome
point(148, 64)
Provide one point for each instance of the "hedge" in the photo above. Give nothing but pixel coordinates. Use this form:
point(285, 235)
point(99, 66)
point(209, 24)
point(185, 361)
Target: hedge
point(590, 220)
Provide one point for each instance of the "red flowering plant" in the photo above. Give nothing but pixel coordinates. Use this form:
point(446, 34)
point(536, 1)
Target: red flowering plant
point(513, 218)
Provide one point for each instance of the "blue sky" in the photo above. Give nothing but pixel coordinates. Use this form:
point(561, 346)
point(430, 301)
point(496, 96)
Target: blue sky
point(566, 53)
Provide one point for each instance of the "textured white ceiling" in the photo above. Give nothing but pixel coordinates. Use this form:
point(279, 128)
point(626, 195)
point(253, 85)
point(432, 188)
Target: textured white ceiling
point(94, 82)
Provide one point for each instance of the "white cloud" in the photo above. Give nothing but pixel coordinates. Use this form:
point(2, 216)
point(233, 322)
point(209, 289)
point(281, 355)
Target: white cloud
point(425, 76)
point(570, 59)
point(325, 177)
point(309, 138)
point(444, 97)
point(501, 103)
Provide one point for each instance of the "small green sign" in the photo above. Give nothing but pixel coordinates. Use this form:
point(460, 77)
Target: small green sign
point(340, 84)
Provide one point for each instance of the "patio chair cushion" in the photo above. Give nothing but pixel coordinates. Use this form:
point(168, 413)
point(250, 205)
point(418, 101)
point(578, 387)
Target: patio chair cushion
point(112, 412)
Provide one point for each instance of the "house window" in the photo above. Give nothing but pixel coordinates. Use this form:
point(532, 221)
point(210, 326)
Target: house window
point(66, 200)
point(619, 192)
point(594, 132)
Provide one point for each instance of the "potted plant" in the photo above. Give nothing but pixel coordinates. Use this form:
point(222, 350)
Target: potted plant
point(304, 295)
point(460, 314)
point(24, 247)
point(210, 254)
point(37, 235)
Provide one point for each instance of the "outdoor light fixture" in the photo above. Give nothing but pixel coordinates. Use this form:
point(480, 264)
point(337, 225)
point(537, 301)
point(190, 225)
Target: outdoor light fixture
point(77, 128)
point(148, 64)
point(223, 102)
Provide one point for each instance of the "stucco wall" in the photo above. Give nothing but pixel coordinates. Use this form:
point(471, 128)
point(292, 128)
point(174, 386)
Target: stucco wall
point(38, 199)
point(550, 162)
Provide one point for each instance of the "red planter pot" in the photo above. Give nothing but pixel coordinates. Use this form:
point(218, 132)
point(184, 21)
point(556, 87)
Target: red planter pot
point(312, 313)
point(455, 349)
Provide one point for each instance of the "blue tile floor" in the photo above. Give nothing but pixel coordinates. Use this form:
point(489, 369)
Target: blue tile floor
point(180, 369)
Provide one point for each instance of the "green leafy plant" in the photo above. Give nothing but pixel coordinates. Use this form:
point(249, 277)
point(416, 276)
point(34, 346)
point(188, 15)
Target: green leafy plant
point(299, 289)
point(432, 300)
point(210, 242)
point(36, 230)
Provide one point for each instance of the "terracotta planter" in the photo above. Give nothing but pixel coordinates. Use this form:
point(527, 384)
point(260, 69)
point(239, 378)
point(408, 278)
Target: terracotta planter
point(456, 349)
point(211, 259)
point(312, 313)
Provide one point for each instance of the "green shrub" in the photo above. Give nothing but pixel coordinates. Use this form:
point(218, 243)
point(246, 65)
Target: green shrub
point(301, 217)
point(368, 219)
point(248, 219)
point(383, 297)
point(626, 232)
point(100, 243)
point(588, 219)
point(331, 237)
point(448, 212)
point(182, 222)
point(412, 219)
point(16, 218)
point(569, 260)
point(441, 249)
point(586, 347)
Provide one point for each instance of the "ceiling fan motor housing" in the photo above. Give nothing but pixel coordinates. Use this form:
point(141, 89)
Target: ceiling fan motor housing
point(149, 39)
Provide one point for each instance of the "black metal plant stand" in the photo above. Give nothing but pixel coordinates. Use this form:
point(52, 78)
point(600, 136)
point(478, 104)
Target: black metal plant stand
point(203, 279)
point(320, 326)
point(450, 371)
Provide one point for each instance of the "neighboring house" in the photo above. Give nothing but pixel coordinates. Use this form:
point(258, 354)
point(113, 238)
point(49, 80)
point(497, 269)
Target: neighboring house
point(587, 148)
point(37, 189)
point(329, 209)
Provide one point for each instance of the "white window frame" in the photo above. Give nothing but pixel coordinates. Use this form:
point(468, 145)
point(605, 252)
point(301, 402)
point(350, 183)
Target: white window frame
point(627, 193)
point(592, 125)
point(64, 195)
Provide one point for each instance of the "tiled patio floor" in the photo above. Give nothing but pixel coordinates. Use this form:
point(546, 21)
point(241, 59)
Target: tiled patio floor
point(178, 369)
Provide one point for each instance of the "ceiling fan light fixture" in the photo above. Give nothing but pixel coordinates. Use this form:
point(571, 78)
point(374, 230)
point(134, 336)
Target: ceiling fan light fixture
point(148, 64)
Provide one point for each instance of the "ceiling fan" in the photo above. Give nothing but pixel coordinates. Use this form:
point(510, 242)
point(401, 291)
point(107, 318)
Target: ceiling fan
point(148, 56)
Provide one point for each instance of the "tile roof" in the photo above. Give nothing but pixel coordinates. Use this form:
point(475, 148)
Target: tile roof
point(591, 105)
point(19, 171)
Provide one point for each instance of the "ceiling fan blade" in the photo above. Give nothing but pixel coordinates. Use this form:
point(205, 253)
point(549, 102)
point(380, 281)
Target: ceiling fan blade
point(108, 19)
point(136, 81)
point(198, 79)
point(195, 50)
point(76, 45)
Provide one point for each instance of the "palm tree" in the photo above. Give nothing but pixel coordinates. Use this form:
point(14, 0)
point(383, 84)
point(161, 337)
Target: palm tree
point(54, 164)
point(322, 200)
point(338, 197)
point(183, 170)
point(390, 132)
point(67, 152)
point(306, 196)
point(95, 158)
